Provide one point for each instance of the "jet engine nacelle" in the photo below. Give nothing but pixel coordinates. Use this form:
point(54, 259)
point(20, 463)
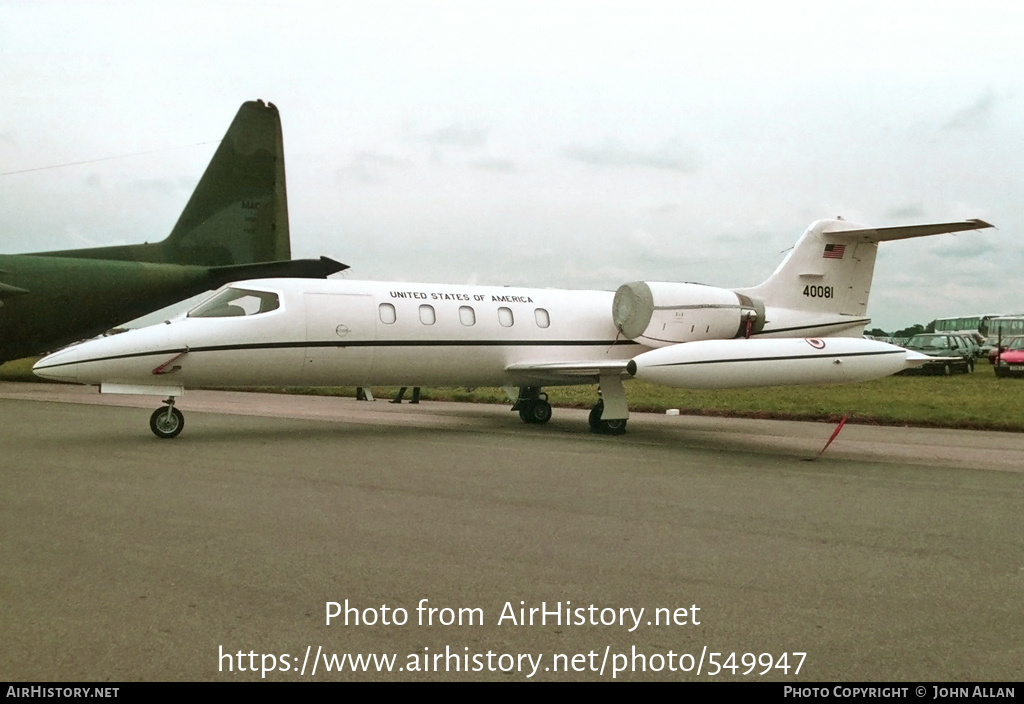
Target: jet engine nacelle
point(657, 313)
point(723, 364)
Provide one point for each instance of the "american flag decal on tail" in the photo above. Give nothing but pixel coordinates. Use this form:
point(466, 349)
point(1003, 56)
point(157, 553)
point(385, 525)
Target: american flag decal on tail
point(834, 251)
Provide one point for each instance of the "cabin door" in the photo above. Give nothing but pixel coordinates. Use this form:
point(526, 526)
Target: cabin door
point(340, 332)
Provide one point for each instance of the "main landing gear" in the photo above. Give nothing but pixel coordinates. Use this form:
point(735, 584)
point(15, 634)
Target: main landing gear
point(609, 419)
point(533, 405)
point(167, 421)
point(611, 426)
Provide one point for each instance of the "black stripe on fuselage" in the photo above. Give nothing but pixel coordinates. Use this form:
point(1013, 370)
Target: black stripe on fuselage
point(763, 333)
point(787, 358)
point(362, 343)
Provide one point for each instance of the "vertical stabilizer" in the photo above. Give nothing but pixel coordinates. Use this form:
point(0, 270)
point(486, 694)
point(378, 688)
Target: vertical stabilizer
point(827, 271)
point(238, 214)
point(239, 211)
point(830, 268)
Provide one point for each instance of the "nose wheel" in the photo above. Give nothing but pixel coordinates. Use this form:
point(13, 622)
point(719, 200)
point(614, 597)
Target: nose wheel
point(167, 422)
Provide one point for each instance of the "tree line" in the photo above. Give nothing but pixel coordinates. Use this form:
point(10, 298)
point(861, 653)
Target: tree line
point(915, 329)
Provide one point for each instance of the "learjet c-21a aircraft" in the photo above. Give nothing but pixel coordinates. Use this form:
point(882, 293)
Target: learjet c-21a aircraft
point(801, 326)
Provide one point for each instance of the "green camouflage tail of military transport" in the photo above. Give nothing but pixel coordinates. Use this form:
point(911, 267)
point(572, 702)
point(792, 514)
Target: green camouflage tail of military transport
point(234, 227)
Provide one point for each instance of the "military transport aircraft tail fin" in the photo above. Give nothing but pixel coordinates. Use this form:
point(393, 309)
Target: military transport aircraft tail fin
point(830, 268)
point(238, 214)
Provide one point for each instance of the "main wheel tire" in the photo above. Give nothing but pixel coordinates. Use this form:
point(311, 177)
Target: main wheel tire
point(616, 426)
point(164, 426)
point(536, 412)
point(541, 412)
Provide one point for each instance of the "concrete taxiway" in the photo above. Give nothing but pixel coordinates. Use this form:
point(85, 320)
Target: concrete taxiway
point(898, 555)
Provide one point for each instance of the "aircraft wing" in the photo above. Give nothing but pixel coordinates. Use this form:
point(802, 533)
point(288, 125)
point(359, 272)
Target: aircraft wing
point(562, 371)
point(903, 232)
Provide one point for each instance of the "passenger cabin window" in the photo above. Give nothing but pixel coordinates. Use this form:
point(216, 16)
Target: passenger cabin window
point(505, 317)
point(236, 302)
point(467, 315)
point(386, 311)
point(543, 319)
point(427, 315)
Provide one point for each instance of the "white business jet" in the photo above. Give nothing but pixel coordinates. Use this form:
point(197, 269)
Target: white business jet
point(801, 326)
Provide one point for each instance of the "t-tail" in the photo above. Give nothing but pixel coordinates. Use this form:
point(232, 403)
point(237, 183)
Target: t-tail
point(238, 214)
point(775, 333)
point(822, 286)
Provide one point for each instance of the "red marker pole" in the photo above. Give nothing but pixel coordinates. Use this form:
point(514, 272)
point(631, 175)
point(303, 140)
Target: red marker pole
point(834, 434)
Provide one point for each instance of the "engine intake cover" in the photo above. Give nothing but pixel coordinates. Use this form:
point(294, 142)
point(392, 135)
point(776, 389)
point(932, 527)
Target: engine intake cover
point(662, 313)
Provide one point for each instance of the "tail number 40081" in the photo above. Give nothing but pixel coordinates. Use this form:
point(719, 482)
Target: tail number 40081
point(818, 291)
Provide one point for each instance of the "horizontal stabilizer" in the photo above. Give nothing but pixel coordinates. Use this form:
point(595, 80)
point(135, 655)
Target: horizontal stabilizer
point(8, 291)
point(828, 274)
point(903, 232)
point(292, 269)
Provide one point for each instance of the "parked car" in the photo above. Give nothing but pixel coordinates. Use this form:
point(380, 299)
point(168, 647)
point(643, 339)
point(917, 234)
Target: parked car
point(988, 345)
point(957, 352)
point(993, 353)
point(974, 344)
point(1011, 361)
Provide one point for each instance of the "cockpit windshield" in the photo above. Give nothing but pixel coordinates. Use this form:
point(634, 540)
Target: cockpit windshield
point(236, 302)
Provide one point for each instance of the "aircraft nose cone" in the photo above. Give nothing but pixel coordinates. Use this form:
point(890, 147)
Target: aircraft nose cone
point(59, 366)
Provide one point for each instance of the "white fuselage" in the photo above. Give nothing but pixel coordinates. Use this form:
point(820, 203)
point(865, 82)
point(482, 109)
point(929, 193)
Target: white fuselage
point(338, 332)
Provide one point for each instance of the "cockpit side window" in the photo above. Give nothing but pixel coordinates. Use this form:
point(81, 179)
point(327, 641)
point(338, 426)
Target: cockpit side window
point(232, 302)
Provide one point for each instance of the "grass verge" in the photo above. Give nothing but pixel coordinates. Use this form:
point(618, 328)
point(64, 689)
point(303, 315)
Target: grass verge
point(977, 401)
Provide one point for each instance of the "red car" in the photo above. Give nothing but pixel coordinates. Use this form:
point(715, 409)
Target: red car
point(1011, 361)
point(993, 354)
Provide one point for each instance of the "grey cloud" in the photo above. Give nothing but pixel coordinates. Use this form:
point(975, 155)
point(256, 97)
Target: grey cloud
point(370, 167)
point(974, 115)
point(163, 185)
point(669, 158)
point(968, 247)
point(907, 210)
point(504, 166)
point(666, 209)
point(455, 135)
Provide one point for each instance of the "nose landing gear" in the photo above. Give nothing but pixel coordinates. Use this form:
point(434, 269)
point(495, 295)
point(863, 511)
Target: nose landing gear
point(167, 422)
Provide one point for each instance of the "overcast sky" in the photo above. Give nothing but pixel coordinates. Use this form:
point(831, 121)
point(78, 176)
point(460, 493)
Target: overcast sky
point(572, 144)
